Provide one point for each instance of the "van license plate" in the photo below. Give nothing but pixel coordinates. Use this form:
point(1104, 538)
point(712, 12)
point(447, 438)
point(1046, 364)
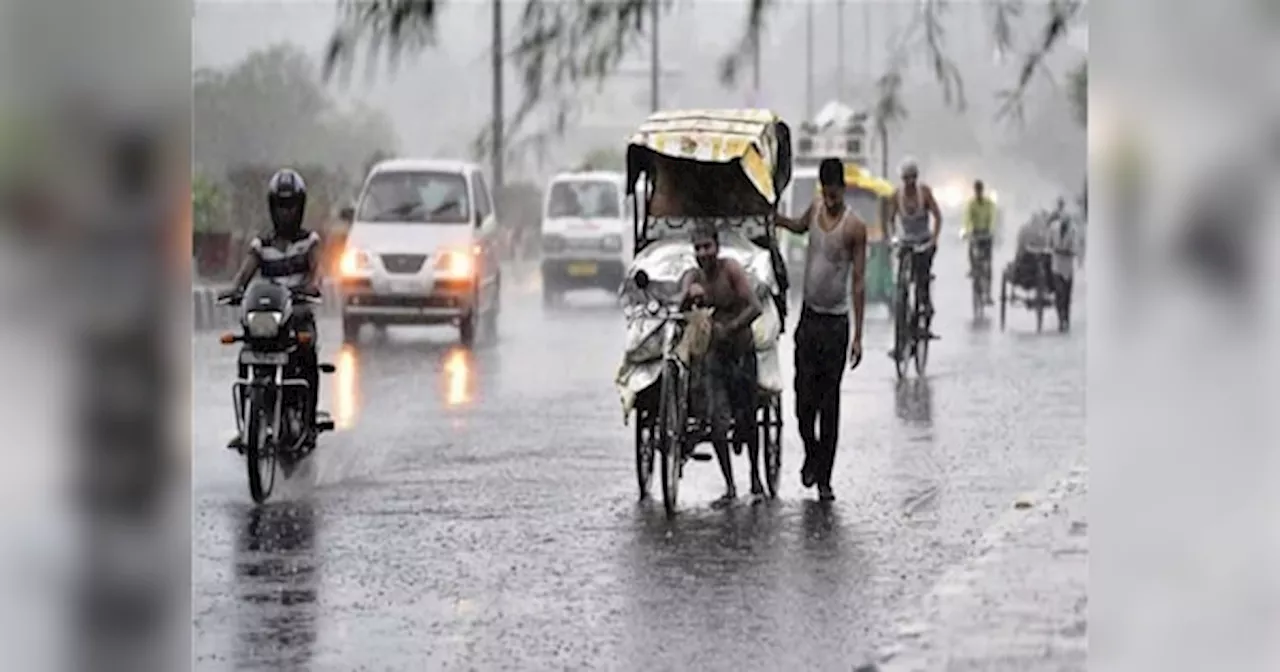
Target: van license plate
point(582, 270)
point(264, 358)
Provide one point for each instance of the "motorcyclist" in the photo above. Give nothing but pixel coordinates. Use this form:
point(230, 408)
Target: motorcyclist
point(289, 255)
point(979, 229)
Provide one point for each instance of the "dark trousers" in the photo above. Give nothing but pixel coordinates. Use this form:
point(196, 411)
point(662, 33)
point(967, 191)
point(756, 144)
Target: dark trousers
point(1062, 295)
point(822, 346)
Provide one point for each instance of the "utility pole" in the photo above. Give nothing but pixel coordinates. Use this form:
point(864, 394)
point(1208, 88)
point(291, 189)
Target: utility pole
point(498, 141)
point(840, 49)
point(654, 66)
point(755, 72)
point(808, 60)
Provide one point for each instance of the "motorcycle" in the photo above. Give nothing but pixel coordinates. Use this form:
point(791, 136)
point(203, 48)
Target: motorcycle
point(270, 400)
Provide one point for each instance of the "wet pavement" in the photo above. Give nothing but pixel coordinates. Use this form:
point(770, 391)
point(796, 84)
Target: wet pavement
point(478, 510)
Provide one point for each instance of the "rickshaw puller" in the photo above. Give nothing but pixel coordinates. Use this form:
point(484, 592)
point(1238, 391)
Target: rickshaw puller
point(729, 366)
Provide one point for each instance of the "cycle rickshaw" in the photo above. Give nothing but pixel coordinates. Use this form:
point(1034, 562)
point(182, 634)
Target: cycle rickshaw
point(728, 167)
point(1028, 280)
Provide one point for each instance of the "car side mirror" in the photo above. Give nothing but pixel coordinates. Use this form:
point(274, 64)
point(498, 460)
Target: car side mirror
point(347, 214)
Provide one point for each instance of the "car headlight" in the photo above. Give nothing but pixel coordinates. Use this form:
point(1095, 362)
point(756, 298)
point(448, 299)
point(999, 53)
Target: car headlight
point(456, 265)
point(611, 243)
point(950, 196)
point(354, 262)
point(263, 323)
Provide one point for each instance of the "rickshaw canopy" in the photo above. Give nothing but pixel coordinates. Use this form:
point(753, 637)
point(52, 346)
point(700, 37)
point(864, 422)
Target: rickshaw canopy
point(757, 139)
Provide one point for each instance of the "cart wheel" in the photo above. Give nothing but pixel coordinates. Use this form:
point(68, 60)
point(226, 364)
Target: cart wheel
point(771, 441)
point(644, 453)
point(671, 428)
point(1004, 298)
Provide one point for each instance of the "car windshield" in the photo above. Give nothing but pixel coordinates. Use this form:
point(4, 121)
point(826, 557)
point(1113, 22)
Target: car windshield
point(584, 198)
point(416, 198)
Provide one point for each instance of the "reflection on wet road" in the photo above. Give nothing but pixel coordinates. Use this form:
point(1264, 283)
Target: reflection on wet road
point(477, 510)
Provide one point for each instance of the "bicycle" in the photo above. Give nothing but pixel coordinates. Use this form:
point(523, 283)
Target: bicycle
point(980, 272)
point(910, 331)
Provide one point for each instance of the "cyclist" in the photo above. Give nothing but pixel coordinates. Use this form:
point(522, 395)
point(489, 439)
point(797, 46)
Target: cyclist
point(978, 229)
point(912, 208)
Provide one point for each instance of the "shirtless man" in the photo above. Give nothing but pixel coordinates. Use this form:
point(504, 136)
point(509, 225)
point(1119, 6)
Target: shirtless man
point(730, 362)
point(834, 279)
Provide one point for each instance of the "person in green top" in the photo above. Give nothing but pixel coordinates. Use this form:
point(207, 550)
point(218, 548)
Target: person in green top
point(979, 229)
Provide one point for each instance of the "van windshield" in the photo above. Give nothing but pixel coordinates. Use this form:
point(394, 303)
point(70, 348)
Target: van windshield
point(416, 198)
point(584, 198)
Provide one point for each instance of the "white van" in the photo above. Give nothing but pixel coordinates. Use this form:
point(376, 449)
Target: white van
point(421, 249)
point(586, 234)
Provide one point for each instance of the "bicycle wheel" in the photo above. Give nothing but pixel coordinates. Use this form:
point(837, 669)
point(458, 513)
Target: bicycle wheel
point(671, 428)
point(920, 349)
point(901, 329)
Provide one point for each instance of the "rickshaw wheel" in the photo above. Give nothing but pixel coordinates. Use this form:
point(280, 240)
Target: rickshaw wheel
point(771, 441)
point(1004, 297)
point(671, 427)
point(644, 453)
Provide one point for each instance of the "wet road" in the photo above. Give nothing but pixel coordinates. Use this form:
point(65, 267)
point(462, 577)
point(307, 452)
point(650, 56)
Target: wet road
point(479, 511)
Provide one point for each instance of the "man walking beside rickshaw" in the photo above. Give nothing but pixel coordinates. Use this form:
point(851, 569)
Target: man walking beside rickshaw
point(730, 363)
point(979, 230)
point(835, 266)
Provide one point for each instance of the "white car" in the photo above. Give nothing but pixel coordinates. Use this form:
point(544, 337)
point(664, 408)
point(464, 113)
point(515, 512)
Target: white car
point(586, 234)
point(421, 249)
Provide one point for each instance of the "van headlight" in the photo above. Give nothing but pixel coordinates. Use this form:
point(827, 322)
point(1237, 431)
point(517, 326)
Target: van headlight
point(263, 323)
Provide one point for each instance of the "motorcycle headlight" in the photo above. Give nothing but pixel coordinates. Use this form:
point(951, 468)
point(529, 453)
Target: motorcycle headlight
point(263, 323)
point(611, 243)
point(653, 307)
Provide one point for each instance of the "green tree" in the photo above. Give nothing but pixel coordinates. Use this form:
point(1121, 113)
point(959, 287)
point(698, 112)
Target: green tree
point(272, 109)
point(564, 45)
point(208, 205)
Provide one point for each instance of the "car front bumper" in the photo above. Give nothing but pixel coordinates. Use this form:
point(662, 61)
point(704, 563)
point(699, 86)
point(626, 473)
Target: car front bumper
point(446, 302)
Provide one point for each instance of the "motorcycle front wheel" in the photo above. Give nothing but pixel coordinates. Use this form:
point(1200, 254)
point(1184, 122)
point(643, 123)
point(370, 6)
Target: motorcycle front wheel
point(259, 451)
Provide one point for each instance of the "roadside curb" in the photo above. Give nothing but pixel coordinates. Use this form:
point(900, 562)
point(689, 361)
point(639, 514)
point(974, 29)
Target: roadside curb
point(1019, 602)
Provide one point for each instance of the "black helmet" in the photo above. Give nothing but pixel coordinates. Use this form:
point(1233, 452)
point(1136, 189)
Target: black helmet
point(287, 201)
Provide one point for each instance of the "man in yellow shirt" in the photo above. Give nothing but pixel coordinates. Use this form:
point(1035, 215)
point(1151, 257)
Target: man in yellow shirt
point(978, 229)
